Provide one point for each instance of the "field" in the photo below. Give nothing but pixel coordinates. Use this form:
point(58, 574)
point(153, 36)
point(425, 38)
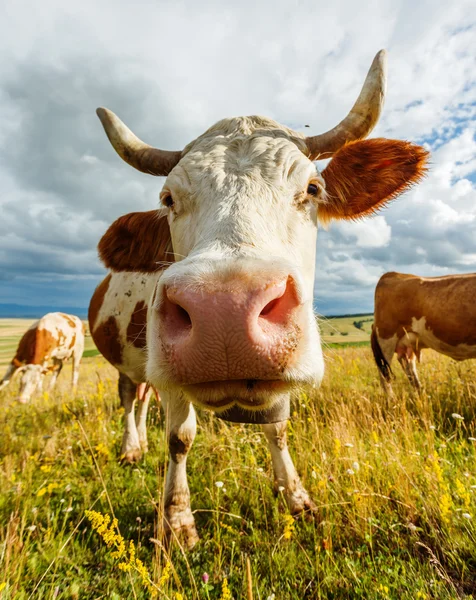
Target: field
point(394, 480)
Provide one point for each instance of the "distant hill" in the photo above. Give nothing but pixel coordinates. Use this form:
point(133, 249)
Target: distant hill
point(21, 311)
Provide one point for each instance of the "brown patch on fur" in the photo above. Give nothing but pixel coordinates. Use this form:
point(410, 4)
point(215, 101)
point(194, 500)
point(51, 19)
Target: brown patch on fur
point(447, 303)
point(179, 446)
point(73, 341)
point(70, 321)
point(35, 345)
point(136, 330)
point(365, 175)
point(106, 338)
point(139, 241)
point(97, 300)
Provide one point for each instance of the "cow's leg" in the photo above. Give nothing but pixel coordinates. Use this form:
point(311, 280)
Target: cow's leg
point(143, 397)
point(77, 356)
point(181, 426)
point(408, 361)
point(8, 375)
point(285, 474)
point(130, 451)
point(58, 364)
point(388, 348)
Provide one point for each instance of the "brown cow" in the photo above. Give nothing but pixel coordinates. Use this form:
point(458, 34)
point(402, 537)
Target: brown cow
point(56, 337)
point(413, 313)
point(229, 325)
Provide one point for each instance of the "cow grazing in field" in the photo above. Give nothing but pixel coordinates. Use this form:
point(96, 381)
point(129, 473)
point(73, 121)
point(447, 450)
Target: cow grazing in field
point(413, 313)
point(44, 347)
point(217, 286)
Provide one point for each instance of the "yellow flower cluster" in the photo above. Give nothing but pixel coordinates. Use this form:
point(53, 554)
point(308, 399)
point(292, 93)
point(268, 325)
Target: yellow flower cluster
point(288, 527)
point(108, 530)
point(445, 506)
point(225, 591)
point(102, 450)
point(337, 446)
point(227, 527)
point(463, 493)
point(49, 488)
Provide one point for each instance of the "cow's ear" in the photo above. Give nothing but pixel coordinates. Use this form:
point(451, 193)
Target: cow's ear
point(364, 176)
point(139, 241)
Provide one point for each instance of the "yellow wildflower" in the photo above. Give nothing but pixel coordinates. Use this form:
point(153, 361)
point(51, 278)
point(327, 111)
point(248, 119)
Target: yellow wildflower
point(102, 449)
point(289, 527)
point(41, 492)
point(165, 576)
point(45, 468)
point(108, 530)
point(225, 591)
point(445, 506)
point(337, 446)
point(463, 493)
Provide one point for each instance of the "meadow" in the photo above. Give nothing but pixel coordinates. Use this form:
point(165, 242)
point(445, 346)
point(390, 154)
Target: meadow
point(394, 481)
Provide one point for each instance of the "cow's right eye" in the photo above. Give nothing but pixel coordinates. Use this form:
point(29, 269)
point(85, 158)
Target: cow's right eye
point(168, 201)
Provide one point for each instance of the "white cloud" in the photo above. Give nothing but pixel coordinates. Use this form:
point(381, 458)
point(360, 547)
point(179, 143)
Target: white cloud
point(371, 233)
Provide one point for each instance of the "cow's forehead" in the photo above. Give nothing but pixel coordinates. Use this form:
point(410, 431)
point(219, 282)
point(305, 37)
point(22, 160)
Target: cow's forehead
point(243, 148)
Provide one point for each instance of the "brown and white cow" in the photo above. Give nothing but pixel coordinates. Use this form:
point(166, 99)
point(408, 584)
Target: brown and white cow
point(44, 347)
point(413, 313)
point(229, 324)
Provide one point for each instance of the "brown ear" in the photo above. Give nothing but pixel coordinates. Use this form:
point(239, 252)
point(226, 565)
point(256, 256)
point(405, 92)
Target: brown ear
point(364, 176)
point(139, 241)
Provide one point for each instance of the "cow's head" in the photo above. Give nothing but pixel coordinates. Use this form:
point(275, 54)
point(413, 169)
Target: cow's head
point(232, 318)
point(31, 376)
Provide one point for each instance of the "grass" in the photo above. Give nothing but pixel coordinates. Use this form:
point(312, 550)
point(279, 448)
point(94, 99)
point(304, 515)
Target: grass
point(395, 483)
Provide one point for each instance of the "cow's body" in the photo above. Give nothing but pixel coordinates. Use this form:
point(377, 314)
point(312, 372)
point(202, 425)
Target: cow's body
point(226, 268)
point(117, 322)
point(44, 347)
point(413, 313)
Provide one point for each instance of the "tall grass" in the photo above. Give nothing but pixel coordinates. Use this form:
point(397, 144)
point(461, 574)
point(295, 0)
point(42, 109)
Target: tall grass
point(395, 482)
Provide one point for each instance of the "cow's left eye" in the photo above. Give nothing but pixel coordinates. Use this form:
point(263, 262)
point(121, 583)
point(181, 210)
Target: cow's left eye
point(168, 201)
point(312, 189)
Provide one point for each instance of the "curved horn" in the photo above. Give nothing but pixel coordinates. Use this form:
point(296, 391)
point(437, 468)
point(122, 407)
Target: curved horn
point(362, 117)
point(135, 152)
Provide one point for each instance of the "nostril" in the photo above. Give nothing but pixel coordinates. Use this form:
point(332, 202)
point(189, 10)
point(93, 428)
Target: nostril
point(269, 307)
point(279, 309)
point(175, 317)
point(182, 316)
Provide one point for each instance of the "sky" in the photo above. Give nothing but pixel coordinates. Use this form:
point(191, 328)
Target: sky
point(170, 69)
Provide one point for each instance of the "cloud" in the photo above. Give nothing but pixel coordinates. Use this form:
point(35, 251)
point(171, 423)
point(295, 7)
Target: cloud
point(171, 69)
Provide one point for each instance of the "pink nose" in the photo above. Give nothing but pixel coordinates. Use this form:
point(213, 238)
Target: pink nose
point(229, 332)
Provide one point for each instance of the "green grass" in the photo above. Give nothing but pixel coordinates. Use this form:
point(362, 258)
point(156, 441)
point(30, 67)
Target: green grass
point(394, 482)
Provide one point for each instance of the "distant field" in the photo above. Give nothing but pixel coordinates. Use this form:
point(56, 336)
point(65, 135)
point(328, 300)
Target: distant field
point(350, 331)
point(11, 331)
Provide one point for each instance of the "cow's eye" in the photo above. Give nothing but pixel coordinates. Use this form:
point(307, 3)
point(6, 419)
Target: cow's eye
point(312, 189)
point(168, 201)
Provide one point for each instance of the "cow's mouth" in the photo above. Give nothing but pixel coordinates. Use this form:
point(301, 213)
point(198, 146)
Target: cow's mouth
point(251, 394)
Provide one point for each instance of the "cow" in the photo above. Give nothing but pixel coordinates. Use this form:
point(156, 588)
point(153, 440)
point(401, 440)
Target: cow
point(44, 347)
point(413, 313)
point(216, 287)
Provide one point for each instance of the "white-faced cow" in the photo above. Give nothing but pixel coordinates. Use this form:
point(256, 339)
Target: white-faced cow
point(229, 325)
point(44, 347)
point(413, 313)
